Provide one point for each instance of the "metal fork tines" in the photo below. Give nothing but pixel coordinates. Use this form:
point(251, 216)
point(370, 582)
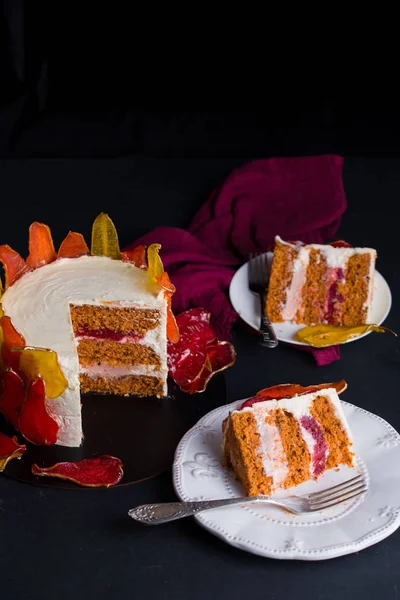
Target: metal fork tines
point(153, 514)
point(258, 277)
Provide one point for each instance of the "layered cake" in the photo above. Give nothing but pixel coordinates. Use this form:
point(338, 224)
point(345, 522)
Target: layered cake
point(321, 284)
point(105, 318)
point(274, 444)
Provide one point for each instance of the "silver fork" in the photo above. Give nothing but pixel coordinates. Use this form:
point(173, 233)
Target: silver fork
point(258, 275)
point(155, 514)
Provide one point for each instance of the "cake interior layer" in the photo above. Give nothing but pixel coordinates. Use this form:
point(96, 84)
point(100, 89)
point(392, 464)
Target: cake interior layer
point(94, 352)
point(241, 438)
point(128, 385)
point(312, 286)
point(97, 320)
point(277, 448)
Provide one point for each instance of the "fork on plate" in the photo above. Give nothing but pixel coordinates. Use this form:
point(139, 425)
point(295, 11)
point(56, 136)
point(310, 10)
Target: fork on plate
point(154, 514)
point(258, 277)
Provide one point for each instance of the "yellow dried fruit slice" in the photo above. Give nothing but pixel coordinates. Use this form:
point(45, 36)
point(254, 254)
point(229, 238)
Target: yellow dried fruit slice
point(320, 336)
point(105, 238)
point(155, 267)
point(41, 362)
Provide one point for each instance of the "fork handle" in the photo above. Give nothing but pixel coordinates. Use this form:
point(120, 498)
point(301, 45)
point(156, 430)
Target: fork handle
point(155, 514)
point(267, 333)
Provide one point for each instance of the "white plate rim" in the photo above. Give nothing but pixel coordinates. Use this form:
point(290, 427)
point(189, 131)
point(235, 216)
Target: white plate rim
point(293, 554)
point(237, 306)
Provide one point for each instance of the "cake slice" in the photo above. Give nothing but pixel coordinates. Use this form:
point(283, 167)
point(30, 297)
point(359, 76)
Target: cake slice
point(321, 284)
point(276, 444)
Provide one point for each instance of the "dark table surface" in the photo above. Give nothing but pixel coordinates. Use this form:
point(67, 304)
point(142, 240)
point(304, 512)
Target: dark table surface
point(77, 544)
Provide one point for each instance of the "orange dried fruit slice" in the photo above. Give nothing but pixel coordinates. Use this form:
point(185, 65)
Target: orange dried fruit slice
point(11, 339)
point(41, 247)
point(136, 256)
point(13, 263)
point(41, 362)
point(105, 238)
point(73, 246)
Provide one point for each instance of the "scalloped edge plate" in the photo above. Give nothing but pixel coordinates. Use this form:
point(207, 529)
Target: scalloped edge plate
point(247, 305)
point(270, 532)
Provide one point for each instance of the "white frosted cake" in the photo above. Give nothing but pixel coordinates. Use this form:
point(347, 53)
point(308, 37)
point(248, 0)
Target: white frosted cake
point(105, 317)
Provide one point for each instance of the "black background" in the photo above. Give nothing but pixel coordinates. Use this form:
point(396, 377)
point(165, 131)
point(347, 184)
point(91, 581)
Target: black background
point(82, 84)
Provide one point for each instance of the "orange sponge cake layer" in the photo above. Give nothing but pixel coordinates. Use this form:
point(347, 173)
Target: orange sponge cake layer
point(116, 351)
point(277, 444)
point(314, 284)
point(127, 385)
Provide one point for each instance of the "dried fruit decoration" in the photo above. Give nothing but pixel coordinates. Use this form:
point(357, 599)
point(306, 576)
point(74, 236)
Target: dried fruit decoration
point(9, 449)
point(105, 238)
point(40, 362)
point(156, 273)
point(288, 390)
point(73, 246)
point(41, 247)
point(136, 256)
point(198, 355)
point(321, 336)
point(35, 423)
point(11, 339)
point(14, 265)
point(102, 471)
point(12, 398)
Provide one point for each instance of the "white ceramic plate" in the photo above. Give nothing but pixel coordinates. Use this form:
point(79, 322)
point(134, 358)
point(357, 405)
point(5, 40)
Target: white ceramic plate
point(247, 305)
point(267, 530)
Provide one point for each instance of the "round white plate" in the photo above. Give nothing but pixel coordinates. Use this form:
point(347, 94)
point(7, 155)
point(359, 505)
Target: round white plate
point(269, 531)
point(247, 305)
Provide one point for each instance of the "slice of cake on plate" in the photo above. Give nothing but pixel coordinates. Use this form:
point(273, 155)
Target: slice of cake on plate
point(278, 440)
point(105, 314)
point(321, 284)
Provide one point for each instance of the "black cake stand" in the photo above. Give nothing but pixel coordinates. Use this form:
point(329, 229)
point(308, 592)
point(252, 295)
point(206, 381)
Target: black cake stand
point(142, 432)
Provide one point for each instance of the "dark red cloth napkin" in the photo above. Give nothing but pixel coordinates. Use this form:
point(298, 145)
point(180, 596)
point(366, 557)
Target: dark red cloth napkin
point(296, 198)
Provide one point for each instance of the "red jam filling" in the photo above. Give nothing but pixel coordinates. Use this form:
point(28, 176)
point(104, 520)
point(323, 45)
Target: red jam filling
point(106, 334)
point(320, 448)
point(334, 298)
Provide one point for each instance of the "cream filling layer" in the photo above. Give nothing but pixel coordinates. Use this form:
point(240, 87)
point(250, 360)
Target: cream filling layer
point(110, 371)
point(293, 293)
point(271, 449)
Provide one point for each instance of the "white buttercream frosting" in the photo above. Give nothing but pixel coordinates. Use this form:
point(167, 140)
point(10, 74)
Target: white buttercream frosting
point(38, 305)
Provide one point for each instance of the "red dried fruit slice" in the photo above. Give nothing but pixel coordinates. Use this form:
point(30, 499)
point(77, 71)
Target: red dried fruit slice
point(186, 358)
point(73, 246)
point(11, 339)
point(194, 359)
point(35, 424)
point(41, 247)
point(102, 471)
point(13, 263)
point(340, 244)
point(220, 356)
point(9, 449)
point(12, 398)
point(136, 256)
point(288, 390)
